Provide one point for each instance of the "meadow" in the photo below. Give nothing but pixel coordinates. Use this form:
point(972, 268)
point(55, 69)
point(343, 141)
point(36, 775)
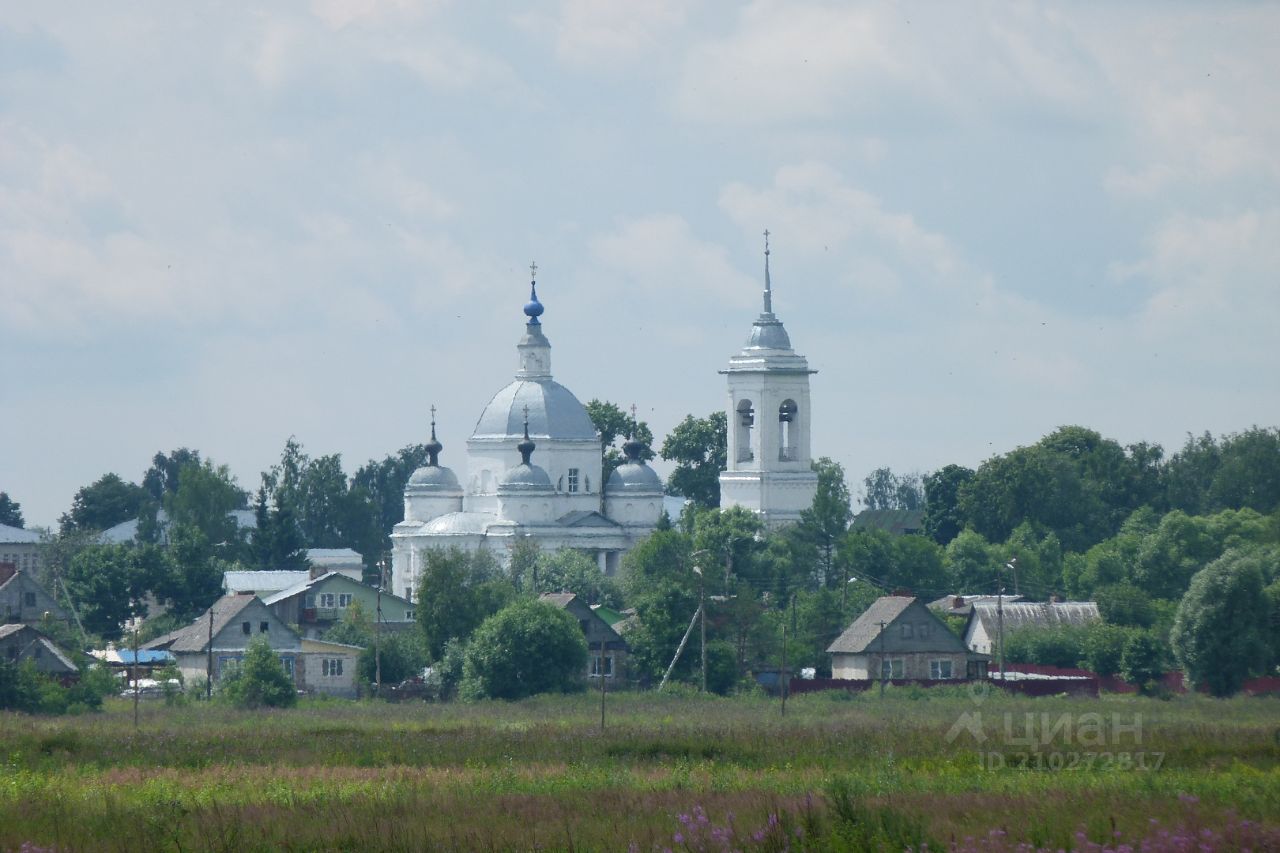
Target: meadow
point(943, 768)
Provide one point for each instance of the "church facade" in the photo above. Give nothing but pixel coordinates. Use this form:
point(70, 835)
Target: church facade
point(535, 463)
point(534, 469)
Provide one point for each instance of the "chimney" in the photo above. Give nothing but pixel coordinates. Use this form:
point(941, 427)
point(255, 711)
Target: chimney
point(957, 601)
point(7, 570)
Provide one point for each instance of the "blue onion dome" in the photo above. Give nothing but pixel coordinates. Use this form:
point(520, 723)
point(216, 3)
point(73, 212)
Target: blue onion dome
point(533, 308)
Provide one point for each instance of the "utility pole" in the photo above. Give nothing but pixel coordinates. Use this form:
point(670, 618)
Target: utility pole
point(702, 608)
point(208, 684)
point(135, 673)
point(882, 660)
point(603, 688)
point(377, 629)
point(783, 681)
point(1000, 616)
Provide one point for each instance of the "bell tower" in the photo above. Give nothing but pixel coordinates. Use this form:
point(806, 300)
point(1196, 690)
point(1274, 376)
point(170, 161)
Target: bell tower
point(769, 468)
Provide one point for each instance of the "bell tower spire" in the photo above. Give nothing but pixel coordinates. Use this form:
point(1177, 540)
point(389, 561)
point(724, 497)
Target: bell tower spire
point(768, 285)
point(534, 348)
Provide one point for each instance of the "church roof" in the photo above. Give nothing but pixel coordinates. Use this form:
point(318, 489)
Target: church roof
point(524, 477)
point(460, 524)
point(433, 478)
point(554, 412)
point(634, 477)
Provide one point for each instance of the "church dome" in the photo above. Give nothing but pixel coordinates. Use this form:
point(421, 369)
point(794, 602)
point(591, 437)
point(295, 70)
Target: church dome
point(525, 477)
point(553, 412)
point(634, 477)
point(460, 524)
point(432, 477)
point(768, 333)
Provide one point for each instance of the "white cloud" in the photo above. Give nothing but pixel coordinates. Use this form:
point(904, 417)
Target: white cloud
point(603, 32)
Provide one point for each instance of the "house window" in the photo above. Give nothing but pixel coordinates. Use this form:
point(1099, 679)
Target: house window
point(939, 669)
point(326, 599)
point(344, 599)
point(264, 627)
point(311, 602)
point(923, 631)
point(30, 599)
point(331, 667)
point(287, 663)
point(595, 666)
point(246, 628)
point(892, 668)
point(573, 479)
point(906, 630)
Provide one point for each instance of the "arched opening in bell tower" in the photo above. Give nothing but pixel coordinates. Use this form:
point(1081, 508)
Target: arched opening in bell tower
point(788, 414)
point(745, 423)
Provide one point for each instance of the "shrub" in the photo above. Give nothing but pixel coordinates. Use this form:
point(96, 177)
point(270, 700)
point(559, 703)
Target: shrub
point(260, 680)
point(1104, 646)
point(526, 648)
point(403, 655)
point(1143, 661)
point(1046, 646)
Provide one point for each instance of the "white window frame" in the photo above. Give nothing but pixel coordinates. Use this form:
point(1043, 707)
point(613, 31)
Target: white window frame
point(936, 669)
point(345, 599)
point(331, 667)
point(887, 666)
point(327, 600)
point(573, 480)
point(595, 665)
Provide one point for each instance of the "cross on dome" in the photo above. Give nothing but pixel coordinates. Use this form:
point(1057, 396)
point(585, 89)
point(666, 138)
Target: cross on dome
point(533, 308)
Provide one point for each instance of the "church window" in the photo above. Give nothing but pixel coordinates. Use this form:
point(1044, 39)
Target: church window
point(745, 422)
point(787, 415)
point(573, 480)
point(586, 483)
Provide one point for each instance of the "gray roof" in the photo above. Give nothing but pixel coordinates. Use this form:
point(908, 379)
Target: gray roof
point(331, 556)
point(262, 582)
point(553, 413)
point(634, 477)
point(127, 531)
point(276, 598)
point(866, 627)
point(1022, 614)
point(962, 605)
point(195, 637)
point(433, 478)
point(460, 524)
point(585, 518)
point(525, 478)
point(559, 599)
point(17, 535)
point(37, 637)
point(768, 333)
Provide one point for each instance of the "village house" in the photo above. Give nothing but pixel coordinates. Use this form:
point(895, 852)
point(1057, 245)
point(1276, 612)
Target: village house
point(234, 621)
point(20, 548)
point(898, 637)
point(983, 628)
point(23, 600)
point(606, 650)
point(316, 605)
point(20, 643)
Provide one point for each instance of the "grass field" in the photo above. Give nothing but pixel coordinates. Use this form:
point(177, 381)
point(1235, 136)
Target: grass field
point(668, 772)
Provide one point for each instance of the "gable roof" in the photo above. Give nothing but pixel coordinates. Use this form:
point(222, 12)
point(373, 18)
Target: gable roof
point(962, 605)
point(263, 582)
point(339, 577)
point(12, 630)
point(195, 637)
point(17, 535)
point(559, 599)
point(1023, 614)
point(866, 627)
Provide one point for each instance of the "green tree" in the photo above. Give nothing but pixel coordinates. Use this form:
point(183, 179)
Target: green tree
point(658, 579)
point(942, 517)
point(825, 522)
point(613, 424)
point(1220, 632)
point(698, 446)
point(105, 503)
point(1063, 646)
point(108, 584)
point(1125, 604)
point(526, 648)
point(971, 563)
point(567, 570)
point(275, 542)
point(1182, 545)
point(205, 497)
point(1239, 471)
point(882, 489)
point(728, 540)
point(403, 654)
point(1104, 646)
point(457, 590)
point(1143, 661)
point(260, 680)
point(378, 487)
point(10, 511)
point(161, 479)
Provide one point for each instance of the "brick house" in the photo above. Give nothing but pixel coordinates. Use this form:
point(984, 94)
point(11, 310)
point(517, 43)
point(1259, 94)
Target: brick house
point(898, 637)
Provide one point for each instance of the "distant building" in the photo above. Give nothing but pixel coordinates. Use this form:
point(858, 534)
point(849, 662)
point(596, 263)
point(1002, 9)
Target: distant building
point(317, 604)
point(20, 643)
point(983, 627)
point(898, 637)
point(24, 600)
point(606, 650)
point(20, 548)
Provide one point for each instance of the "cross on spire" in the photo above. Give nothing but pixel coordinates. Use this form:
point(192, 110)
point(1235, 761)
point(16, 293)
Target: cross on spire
point(533, 269)
point(768, 286)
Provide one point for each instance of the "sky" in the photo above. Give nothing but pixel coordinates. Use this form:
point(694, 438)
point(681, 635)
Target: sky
point(222, 226)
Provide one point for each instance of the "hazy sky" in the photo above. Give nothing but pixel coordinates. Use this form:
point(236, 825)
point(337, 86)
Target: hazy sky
point(222, 226)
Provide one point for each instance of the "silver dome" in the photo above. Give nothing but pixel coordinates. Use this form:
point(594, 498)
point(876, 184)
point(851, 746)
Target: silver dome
point(433, 478)
point(768, 333)
point(524, 477)
point(460, 524)
point(553, 412)
point(634, 477)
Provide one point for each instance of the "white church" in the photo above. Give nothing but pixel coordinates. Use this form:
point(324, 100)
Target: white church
point(535, 465)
